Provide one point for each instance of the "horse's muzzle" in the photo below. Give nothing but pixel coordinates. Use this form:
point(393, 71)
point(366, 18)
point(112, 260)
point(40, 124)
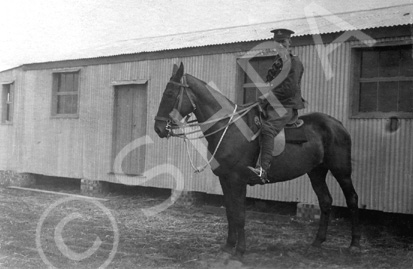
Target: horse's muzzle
point(160, 131)
point(161, 128)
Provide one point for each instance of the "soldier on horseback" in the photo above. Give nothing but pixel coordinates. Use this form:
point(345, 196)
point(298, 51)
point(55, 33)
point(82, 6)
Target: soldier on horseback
point(288, 93)
point(327, 147)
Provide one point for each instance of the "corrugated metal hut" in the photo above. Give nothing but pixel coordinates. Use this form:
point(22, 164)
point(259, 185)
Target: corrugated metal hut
point(72, 117)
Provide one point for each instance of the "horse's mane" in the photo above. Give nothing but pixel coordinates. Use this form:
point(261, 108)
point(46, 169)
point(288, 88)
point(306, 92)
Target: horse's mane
point(211, 87)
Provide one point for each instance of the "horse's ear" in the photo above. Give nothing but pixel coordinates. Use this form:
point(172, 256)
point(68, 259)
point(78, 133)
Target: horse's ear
point(179, 73)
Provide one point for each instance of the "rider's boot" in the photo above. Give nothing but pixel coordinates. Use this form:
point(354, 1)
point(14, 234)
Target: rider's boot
point(261, 171)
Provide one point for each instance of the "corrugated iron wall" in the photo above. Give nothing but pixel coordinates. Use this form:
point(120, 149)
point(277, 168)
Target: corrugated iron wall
point(51, 146)
point(11, 135)
point(81, 148)
point(382, 161)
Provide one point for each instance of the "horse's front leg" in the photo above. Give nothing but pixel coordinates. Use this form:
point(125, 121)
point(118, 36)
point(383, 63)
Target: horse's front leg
point(234, 196)
point(239, 194)
point(232, 232)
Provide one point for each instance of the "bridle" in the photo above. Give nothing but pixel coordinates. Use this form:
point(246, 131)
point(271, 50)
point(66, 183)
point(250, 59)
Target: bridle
point(173, 122)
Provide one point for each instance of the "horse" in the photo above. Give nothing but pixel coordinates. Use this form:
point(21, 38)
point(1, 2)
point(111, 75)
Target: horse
point(328, 148)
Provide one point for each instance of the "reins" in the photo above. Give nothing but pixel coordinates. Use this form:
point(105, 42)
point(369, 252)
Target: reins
point(200, 169)
point(195, 123)
point(185, 137)
point(174, 124)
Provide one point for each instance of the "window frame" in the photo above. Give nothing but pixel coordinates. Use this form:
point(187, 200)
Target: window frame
point(242, 77)
point(356, 51)
point(7, 100)
point(55, 93)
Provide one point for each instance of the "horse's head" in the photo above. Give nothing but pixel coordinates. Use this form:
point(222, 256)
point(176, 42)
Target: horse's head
point(177, 102)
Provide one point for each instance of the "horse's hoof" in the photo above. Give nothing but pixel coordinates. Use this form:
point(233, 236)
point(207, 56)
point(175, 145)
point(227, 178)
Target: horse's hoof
point(224, 257)
point(234, 264)
point(228, 249)
point(355, 249)
point(316, 244)
point(227, 261)
point(238, 256)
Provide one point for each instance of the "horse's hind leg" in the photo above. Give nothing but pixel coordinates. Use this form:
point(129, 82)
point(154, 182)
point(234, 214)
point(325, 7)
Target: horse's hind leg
point(318, 181)
point(344, 179)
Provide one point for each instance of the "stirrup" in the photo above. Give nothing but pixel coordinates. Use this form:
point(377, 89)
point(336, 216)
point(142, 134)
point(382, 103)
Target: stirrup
point(298, 123)
point(261, 173)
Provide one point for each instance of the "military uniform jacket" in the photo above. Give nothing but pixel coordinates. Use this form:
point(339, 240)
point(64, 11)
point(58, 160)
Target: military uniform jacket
point(289, 90)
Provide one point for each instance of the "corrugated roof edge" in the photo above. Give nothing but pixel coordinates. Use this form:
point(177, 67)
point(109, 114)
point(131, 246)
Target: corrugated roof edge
point(253, 26)
point(188, 47)
point(270, 22)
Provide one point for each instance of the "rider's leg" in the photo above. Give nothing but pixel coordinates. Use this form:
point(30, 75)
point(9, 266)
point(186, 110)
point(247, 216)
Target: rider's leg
point(271, 126)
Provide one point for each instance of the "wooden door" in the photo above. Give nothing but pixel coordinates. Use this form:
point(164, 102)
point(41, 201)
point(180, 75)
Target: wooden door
point(130, 124)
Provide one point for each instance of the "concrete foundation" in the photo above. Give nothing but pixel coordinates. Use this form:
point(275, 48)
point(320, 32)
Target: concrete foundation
point(12, 178)
point(189, 198)
point(308, 211)
point(92, 187)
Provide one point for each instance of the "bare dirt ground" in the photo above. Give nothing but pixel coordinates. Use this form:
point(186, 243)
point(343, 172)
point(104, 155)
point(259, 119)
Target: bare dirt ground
point(39, 230)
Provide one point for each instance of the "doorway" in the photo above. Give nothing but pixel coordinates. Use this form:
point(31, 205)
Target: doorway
point(129, 124)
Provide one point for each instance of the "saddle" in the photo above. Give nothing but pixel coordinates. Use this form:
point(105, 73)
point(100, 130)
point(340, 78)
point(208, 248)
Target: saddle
point(292, 134)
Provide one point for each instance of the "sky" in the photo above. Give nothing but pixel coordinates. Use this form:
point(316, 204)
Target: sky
point(40, 30)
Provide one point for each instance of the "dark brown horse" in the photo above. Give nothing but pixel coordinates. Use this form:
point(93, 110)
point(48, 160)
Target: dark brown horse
point(328, 149)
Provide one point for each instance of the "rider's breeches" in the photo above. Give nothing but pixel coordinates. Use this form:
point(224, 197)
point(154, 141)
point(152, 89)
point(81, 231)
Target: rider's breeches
point(271, 126)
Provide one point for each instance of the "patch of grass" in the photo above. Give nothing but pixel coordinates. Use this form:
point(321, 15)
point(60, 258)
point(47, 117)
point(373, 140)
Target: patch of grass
point(183, 237)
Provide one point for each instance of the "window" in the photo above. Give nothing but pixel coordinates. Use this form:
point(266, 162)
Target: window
point(260, 64)
point(7, 103)
point(65, 94)
point(383, 82)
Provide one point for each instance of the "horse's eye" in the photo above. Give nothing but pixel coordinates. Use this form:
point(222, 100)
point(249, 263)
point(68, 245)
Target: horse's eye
point(169, 94)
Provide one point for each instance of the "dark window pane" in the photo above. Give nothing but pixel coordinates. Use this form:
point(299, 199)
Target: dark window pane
point(260, 65)
point(60, 104)
point(406, 62)
point(388, 92)
point(389, 63)
point(263, 67)
point(383, 86)
point(8, 93)
point(259, 93)
point(62, 83)
point(6, 103)
point(69, 82)
point(67, 104)
point(406, 96)
point(75, 82)
point(8, 114)
point(250, 95)
point(368, 96)
point(369, 64)
point(251, 67)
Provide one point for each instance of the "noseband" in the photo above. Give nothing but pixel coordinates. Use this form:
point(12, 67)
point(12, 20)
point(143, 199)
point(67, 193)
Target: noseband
point(174, 115)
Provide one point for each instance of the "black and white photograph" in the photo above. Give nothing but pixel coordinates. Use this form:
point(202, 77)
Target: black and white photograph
point(207, 134)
